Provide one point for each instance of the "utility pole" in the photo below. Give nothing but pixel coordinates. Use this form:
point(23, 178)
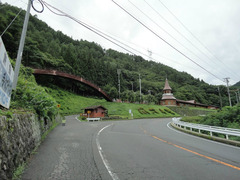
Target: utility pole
point(229, 97)
point(119, 72)
point(220, 97)
point(132, 86)
point(21, 46)
point(140, 87)
point(237, 97)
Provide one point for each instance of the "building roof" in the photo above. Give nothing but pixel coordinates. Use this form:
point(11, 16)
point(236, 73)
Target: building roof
point(168, 96)
point(95, 107)
point(195, 103)
point(167, 87)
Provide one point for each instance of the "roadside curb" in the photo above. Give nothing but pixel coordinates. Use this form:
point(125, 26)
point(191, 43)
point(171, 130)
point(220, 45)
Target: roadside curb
point(230, 142)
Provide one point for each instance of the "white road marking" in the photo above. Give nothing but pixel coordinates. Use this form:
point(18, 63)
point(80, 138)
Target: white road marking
point(77, 119)
point(168, 125)
point(105, 161)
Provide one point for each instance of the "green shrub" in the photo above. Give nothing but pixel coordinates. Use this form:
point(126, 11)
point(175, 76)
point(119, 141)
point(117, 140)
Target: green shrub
point(227, 117)
point(153, 111)
point(169, 111)
point(30, 96)
point(142, 111)
point(162, 111)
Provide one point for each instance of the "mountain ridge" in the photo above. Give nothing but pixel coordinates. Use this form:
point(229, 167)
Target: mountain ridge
point(49, 49)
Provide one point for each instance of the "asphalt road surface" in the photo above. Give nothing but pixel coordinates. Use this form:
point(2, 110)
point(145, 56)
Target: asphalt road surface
point(136, 149)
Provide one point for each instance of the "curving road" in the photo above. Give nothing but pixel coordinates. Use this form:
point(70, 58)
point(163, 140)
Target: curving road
point(136, 149)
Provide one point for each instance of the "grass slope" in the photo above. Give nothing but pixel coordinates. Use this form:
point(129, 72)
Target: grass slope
point(73, 104)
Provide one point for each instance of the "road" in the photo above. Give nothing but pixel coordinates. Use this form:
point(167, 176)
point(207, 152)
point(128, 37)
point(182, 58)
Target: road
point(136, 149)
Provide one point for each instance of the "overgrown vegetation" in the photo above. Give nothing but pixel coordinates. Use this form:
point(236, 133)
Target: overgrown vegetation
point(227, 117)
point(18, 172)
point(29, 96)
point(48, 49)
point(74, 104)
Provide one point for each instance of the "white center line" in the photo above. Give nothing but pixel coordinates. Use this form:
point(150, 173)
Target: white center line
point(105, 161)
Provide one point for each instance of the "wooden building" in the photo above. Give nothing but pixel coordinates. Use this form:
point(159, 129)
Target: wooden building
point(169, 100)
point(95, 111)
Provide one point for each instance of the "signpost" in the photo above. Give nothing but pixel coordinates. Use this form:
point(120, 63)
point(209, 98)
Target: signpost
point(6, 77)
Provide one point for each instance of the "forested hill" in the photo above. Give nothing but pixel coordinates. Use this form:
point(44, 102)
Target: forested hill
point(237, 85)
point(49, 49)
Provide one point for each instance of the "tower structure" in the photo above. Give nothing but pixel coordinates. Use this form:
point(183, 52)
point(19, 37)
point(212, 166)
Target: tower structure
point(167, 98)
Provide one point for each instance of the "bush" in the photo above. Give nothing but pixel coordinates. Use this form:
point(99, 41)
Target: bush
point(142, 111)
point(153, 111)
point(169, 111)
point(227, 117)
point(31, 96)
point(162, 111)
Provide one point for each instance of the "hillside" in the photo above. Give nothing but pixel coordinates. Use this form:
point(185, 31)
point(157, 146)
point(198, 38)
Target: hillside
point(237, 85)
point(48, 49)
point(74, 104)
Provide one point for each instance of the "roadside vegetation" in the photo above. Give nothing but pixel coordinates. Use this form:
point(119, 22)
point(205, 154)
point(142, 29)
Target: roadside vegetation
point(227, 117)
point(30, 97)
point(74, 104)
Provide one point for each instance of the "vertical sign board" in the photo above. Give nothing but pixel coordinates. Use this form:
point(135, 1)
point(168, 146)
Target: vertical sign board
point(6, 77)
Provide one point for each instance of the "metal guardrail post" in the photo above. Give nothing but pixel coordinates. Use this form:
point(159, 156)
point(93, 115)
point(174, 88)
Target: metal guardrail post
point(226, 136)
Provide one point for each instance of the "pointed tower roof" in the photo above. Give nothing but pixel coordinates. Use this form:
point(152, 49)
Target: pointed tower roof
point(167, 87)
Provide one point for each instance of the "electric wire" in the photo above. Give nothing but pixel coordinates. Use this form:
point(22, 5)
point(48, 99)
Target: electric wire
point(168, 33)
point(35, 8)
point(115, 39)
point(173, 47)
point(83, 24)
point(64, 14)
point(191, 33)
point(89, 27)
point(11, 22)
point(99, 32)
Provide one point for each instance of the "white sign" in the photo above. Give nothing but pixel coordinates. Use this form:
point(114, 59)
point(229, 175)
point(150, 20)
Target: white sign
point(6, 77)
point(130, 111)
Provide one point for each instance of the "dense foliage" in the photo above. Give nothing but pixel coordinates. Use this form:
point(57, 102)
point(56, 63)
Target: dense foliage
point(227, 117)
point(32, 97)
point(48, 49)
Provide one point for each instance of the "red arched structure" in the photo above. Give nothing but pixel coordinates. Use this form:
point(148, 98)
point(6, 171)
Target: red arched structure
point(73, 77)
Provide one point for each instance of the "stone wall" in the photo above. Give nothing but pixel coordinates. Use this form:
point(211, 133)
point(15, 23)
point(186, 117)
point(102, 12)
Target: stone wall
point(19, 136)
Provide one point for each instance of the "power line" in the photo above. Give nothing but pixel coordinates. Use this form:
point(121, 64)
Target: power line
point(83, 24)
point(165, 41)
point(95, 30)
point(176, 29)
point(191, 34)
point(169, 33)
point(11, 22)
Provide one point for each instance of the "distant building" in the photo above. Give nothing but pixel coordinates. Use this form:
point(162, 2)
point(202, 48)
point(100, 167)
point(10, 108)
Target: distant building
point(169, 100)
point(95, 111)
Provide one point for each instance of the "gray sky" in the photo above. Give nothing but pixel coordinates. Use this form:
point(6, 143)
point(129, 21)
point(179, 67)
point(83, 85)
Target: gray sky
point(214, 22)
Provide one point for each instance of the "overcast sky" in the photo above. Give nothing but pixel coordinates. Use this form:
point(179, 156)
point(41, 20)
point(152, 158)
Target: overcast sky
point(214, 23)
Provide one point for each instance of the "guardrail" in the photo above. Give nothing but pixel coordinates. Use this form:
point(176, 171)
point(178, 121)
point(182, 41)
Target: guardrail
point(93, 119)
point(211, 129)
